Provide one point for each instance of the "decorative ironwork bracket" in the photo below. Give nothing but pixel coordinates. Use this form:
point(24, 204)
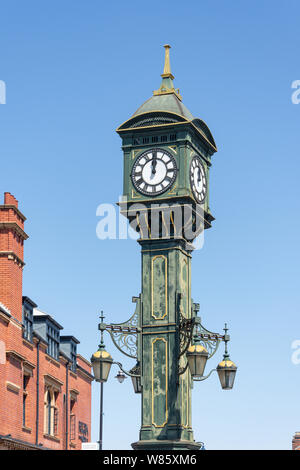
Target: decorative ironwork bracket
point(134, 372)
point(200, 379)
point(192, 328)
point(125, 335)
point(209, 339)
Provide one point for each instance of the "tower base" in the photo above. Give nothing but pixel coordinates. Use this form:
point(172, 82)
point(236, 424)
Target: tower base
point(166, 445)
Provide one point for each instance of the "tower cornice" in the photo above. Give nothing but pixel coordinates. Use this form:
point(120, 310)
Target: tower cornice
point(14, 227)
point(15, 209)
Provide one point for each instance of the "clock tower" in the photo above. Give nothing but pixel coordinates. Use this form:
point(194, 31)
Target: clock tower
point(167, 158)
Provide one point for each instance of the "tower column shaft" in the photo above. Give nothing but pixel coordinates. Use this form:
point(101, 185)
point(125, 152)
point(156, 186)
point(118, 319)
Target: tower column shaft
point(166, 296)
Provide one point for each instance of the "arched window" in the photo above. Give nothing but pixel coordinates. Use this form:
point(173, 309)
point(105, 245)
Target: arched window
point(50, 412)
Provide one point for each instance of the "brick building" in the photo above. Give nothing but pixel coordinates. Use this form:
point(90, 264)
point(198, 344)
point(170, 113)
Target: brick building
point(45, 385)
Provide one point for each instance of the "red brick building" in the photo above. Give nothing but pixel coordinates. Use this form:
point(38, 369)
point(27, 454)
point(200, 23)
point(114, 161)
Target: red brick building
point(45, 386)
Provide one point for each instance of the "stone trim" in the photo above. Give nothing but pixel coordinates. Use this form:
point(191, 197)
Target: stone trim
point(74, 393)
point(85, 373)
point(53, 382)
point(16, 355)
point(4, 317)
point(28, 368)
point(12, 387)
point(12, 255)
point(26, 429)
point(73, 374)
point(51, 438)
point(84, 360)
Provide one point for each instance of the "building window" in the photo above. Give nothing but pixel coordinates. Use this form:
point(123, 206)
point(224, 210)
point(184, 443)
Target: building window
point(28, 323)
point(25, 400)
point(146, 140)
point(164, 138)
point(173, 137)
point(72, 420)
point(73, 357)
point(55, 424)
point(72, 427)
point(53, 341)
point(50, 413)
point(155, 139)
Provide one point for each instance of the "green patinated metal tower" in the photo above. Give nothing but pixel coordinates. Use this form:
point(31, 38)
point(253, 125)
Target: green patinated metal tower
point(167, 157)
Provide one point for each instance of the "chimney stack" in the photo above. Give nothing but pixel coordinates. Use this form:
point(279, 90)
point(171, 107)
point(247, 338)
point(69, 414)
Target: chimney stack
point(12, 238)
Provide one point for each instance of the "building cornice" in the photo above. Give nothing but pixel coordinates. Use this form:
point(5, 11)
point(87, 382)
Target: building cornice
point(84, 360)
point(53, 381)
point(5, 317)
point(12, 255)
point(16, 355)
point(17, 444)
point(11, 206)
point(82, 371)
point(14, 226)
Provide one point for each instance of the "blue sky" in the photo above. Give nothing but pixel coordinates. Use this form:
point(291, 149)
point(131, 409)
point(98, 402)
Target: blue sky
point(74, 71)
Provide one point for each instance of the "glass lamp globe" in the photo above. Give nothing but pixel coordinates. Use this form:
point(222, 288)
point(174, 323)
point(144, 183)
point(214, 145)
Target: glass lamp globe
point(101, 362)
point(197, 357)
point(226, 371)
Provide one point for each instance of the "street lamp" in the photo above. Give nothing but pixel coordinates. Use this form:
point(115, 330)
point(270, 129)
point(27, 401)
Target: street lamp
point(196, 346)
point(197, 357)
point(101, 362)
point(136, 378)
point(120, 377)
point(226, 369)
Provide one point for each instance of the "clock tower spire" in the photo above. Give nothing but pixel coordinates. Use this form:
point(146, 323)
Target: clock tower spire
point(167, 77)
point(167, 68)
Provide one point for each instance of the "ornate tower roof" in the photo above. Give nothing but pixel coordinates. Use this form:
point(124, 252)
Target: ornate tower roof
point(166, 98)
point(165, 107)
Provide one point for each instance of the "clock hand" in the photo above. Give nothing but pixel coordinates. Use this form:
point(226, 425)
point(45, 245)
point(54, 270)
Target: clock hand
point(199, 175)
point(154, 163)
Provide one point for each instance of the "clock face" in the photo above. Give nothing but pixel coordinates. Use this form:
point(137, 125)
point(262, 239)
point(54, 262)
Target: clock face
point(198, 179)
point(154, 172)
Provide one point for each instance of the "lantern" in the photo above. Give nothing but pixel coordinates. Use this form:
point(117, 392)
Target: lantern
point(101, 362)
point(136, 378)
point(197, 356)
point(227, 371)
point(120, 377)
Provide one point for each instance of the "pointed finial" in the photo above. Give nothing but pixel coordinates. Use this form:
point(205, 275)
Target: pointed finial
point(167, 86)
point(102, 316)
point(226, 339)
point(167, 68)
point(101, 328)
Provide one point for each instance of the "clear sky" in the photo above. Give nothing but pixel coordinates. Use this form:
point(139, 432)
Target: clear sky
point(74, 71)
